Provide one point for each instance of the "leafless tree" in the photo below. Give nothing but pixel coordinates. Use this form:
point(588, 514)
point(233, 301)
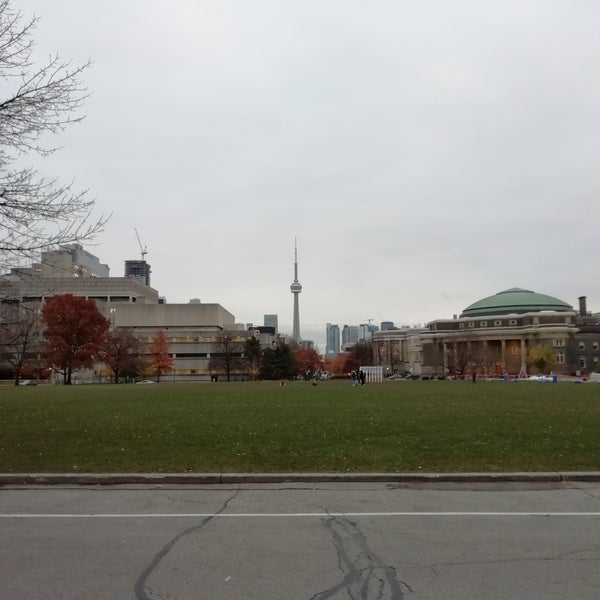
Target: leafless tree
point(121, 350)
point(36, 213)
point(20, 337)
point(227, 356)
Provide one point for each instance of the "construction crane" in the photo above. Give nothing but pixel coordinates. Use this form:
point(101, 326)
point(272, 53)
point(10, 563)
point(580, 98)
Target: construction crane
point(143, 249)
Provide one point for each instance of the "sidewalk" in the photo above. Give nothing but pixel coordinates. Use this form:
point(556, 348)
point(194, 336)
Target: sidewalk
point(233, 478)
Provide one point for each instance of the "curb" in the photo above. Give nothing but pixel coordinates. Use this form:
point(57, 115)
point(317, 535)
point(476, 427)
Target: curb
point(266, 478)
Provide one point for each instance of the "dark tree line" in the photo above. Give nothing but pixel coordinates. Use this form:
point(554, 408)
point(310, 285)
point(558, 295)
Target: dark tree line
point(233, 358)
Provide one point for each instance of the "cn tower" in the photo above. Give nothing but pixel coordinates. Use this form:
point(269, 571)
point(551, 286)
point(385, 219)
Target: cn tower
point(296, 288)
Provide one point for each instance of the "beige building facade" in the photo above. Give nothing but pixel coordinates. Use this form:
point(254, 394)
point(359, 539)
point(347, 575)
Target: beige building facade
point(493, 337)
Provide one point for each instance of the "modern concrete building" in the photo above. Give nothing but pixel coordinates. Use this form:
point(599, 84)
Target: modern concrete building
point(195, 331)
point(70, 260)
point(493, 336)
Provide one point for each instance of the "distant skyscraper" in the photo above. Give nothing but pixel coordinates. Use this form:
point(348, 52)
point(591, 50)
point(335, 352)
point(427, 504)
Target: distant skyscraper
point(387, 325)
point(349, 334)
point(138, 269)
point(296, 288)
point(271, 321)
point(333, 339)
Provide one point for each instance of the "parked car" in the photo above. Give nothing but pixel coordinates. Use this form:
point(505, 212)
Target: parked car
point(144, 381)
point(27, 382)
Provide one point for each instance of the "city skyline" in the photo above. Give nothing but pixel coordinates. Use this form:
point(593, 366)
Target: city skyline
point(424, 156)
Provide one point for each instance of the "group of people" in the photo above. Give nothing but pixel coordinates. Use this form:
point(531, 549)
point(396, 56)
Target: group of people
point(358, 377)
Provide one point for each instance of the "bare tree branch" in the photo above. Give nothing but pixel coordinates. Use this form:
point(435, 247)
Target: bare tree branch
point(35, 213)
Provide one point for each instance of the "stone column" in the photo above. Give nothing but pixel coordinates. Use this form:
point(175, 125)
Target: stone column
point(523, 357)
point(445, 353)
point(503, 354)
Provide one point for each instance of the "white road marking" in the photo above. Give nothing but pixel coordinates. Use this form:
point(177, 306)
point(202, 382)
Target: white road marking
point(315, 515)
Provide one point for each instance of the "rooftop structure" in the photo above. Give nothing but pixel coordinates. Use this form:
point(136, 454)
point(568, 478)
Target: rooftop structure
point(515, 301)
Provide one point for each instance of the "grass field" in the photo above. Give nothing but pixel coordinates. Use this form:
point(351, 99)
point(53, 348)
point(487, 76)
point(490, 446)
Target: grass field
point(420, 426)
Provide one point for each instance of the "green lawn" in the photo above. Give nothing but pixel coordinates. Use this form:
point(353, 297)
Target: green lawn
point(263, 427)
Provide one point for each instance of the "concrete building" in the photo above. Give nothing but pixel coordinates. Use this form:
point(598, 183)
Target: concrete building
point(70, 260)
point(105, 291)
point(195, 331)
point(492, 337)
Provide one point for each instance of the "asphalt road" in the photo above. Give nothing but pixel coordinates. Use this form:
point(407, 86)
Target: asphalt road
point(301, 541)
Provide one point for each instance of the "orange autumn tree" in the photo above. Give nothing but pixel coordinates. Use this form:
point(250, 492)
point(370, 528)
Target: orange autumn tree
point(160, 361)
point(344, 363)
point(75, 331)
point(308, 360)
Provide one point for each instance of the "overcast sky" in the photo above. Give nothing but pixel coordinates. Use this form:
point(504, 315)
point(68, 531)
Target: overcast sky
point(424, 154)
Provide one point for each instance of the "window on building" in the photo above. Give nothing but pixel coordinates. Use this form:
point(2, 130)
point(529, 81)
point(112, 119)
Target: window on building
point(558, 343)
point(595, 346)
point(483, 324)
point(497, 323)
point(461, 325)
point(512, 321)
point(514, 350)
point(582, 362)
point(560, 358)
point(471, 324)
point(581, 346)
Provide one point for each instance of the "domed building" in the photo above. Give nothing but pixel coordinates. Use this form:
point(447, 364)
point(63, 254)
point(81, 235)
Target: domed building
point(515, 301)
point(492, 337)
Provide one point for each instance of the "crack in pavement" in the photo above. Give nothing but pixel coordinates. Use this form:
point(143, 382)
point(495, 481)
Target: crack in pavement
point(589, 492)
point(497, 561)
point(141, 585)
point(365, 574)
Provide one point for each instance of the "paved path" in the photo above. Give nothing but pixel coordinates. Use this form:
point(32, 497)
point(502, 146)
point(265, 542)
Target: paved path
point(302, 541)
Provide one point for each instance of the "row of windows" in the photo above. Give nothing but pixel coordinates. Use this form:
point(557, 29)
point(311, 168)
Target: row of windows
point(582, 345)
point(497, 323)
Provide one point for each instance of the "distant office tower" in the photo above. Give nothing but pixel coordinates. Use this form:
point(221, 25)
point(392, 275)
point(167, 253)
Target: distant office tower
point(139, 270)
point(349, 334)
point(271, 321)
point(70, 260)
point(296, 288)
point(387, 325)
point(333, 339)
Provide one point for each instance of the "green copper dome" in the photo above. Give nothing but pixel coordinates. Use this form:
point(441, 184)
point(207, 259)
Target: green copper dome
point(515, 300)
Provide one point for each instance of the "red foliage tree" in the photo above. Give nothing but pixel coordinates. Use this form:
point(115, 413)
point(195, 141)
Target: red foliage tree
point(160, 362)
point(344, 363)
point(309, 361)
point(74, 333)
